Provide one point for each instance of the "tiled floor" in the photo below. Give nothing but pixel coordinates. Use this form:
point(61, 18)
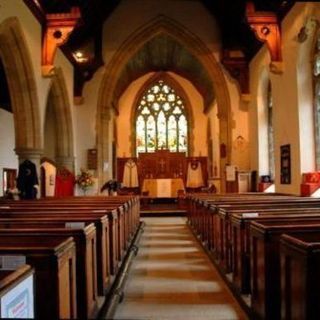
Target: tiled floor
point(172, 278)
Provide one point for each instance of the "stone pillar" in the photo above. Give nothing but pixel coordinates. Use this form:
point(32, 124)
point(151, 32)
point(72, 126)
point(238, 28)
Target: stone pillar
point(225, 138)
point(104, 142)
point(34, 155)
point(67, 162)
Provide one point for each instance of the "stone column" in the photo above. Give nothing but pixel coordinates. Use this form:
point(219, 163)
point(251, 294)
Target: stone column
point(103, 148)
point(67, 162)
point(225, 138)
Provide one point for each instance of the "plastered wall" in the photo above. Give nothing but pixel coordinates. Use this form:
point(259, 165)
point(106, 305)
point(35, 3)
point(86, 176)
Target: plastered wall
point(292, 101)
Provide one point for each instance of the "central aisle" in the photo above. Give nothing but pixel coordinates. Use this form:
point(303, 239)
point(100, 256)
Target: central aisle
point(172, 278)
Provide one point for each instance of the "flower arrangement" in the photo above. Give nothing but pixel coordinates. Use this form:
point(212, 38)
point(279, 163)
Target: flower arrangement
point(84, 180)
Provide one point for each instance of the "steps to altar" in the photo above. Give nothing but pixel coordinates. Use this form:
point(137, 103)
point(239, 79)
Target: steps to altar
point(163, 207)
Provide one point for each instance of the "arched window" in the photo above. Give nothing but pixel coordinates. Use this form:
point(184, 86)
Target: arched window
point(161, 120)
point(270, 133)
point(316, 74)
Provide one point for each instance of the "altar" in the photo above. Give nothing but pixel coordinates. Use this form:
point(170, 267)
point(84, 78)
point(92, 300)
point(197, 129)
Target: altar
point(162, 188)
point(162, 173)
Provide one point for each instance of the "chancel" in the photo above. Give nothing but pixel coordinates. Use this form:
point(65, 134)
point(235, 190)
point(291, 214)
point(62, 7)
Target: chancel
point(159, 159)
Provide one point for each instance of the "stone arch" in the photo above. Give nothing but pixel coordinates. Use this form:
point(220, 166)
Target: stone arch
point(158, 25)
point(58, 97)
point(22, 86)
point(179, 90)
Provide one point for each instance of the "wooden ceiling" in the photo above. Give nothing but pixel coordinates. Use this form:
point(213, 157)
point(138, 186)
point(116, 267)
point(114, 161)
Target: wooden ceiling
point(236, 34)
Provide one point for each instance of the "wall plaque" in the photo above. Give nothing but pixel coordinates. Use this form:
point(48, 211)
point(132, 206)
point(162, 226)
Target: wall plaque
point(285, 164)
point(92, 159)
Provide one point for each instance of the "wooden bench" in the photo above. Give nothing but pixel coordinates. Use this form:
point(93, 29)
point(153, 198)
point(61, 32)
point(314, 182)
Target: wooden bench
point(105, 235)
point(17, 293)
point(116, 218)
point(300, 275)
point(54, 261)
point(265, 263)
point(221, 234)
point(203, 216)
point(240, 234)
point(86, 278)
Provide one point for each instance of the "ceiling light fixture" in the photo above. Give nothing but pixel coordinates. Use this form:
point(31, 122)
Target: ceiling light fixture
point(80, 57)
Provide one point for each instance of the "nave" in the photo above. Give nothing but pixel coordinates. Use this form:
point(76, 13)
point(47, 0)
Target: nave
point(173, 278)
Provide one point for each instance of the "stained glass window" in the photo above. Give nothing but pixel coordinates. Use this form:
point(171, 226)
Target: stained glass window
point(316, 74)
point(161, 120)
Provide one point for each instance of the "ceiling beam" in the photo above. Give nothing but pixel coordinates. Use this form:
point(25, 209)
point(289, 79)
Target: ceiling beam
point(57, 31)
point(266, 28)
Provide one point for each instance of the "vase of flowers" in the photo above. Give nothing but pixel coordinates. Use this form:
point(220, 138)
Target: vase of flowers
point(84, 180)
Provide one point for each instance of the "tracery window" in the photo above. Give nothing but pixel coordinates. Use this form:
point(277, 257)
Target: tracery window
point(161, 120)
point(316, 74)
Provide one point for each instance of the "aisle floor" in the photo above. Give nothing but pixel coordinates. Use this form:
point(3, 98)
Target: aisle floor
point(172, 278)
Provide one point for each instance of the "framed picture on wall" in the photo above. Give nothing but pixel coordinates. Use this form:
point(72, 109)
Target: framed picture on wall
point(285, 164)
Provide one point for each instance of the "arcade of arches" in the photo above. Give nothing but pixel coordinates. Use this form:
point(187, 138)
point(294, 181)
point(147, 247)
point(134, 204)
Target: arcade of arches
point(163, 86)
point(40, 118)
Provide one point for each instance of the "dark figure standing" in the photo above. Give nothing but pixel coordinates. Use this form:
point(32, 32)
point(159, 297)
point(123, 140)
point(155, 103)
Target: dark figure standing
point(27, 180)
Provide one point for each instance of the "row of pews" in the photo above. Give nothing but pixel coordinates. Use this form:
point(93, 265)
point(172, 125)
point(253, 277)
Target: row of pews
point(75, 247)
point(266, 246)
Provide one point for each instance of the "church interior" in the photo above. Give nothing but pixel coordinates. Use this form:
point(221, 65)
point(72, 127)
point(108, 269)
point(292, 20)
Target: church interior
point(159, 159)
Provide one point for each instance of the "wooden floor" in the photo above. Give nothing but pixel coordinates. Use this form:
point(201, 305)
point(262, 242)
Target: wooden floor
point(172, 278)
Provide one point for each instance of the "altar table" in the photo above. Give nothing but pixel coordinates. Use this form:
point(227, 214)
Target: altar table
point(162, 188)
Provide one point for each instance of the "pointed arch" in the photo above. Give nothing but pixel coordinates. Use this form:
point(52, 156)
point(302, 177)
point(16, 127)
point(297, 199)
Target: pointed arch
point(58, 97)
point(158, 25)
point(20, 76)
point(173, 83)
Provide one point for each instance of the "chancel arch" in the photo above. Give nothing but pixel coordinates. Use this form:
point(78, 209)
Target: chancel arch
point(164, 28)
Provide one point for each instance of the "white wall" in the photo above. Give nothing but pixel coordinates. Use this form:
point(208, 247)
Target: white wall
point(292, 100)
point(8, 159)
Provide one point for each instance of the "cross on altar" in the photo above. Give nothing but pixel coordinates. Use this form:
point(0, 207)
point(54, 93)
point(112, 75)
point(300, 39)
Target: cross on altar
point(162, 165)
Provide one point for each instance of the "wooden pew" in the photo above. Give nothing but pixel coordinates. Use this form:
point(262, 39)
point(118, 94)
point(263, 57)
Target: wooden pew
point(119, 232)
point(241, 251)
point(211, 225)
point(265, 263)
point(54, 261)
point(204, 212)
point(115, 212)
point(300, 275)
point(85, 239)
point(132, 204)
point(222, 243)
point(104, 236)
point(17, 293)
